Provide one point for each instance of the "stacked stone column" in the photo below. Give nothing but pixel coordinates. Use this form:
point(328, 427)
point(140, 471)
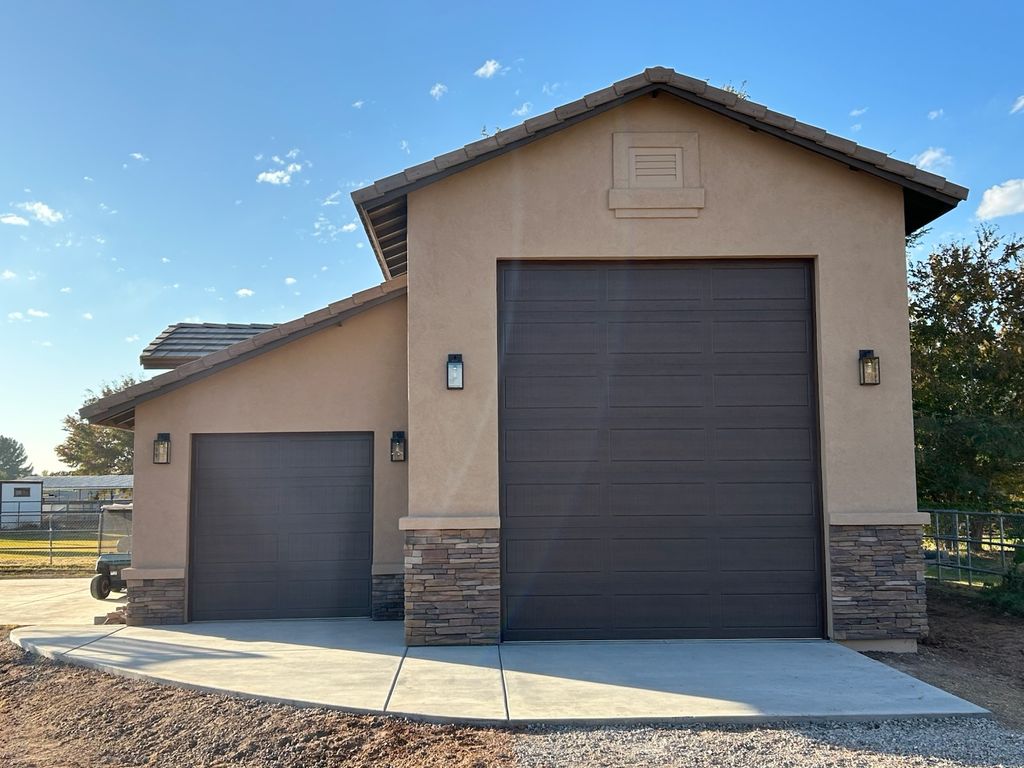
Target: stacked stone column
point(878, 590)
point(155, 601)
point(452, 587)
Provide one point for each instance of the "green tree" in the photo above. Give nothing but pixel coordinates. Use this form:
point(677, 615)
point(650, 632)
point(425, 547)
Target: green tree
point(13, 461)
point(967, 345)
point(93, 450)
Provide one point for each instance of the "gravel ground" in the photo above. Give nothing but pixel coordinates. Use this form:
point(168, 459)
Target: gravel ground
point(949, 743)
point(54, 715)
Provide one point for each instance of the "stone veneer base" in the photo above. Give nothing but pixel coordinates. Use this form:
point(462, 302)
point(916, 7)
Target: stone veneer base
point(155, 601)
point(387, 598)
point(452, 587)
point(878, 590)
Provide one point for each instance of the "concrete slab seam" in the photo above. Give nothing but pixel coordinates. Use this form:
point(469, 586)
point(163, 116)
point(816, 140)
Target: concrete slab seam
point(394, 681)
point(504, 688)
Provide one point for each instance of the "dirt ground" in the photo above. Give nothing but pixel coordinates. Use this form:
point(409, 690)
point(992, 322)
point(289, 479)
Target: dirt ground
point(972, 651)
point(55, 715)
point(58, 716)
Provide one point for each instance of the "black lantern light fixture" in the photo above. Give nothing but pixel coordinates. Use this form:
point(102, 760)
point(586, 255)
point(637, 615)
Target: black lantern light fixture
point(162, 448)
point(398, 446)
point(870, 372)
point(455, 380)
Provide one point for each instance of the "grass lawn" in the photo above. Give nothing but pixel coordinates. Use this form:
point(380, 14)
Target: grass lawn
point(32, 549)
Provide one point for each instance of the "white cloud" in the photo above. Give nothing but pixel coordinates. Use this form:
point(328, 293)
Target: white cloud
point(45, 343)
point(935, 114)
point(87, 178)
point(133, 337)
point(323, 268)
point(164, 260)
point(358, 104)
point(332, 199)
point(350, 227)
point(99, 239)
point(550, 89)
point(274, 177)
point(404, 146)
point(139, 157)
point(244, 293)
point(66, 289)
point(488, 69)
point(210, 289)
point(7, 275)
point(359, 244)
point(856, 127)
point(858, 112)
point(38, 313)
point(87, 315)
point(13, 219)
point(258, 157)
point(107, 209)
point(932, 159)
point(291, 154)
point(1003, 199)
point(438, 90)
point(1018, 105)
point(14, 317)
point(41, 212)
point(290, 281)
point(523, 110)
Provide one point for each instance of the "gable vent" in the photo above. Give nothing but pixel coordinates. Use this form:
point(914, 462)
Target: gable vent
point(655, 167)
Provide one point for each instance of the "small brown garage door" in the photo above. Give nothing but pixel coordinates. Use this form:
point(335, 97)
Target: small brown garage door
point(659, 470)
point(281, 526)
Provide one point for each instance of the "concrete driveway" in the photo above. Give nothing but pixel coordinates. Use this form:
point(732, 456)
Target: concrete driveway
point(363, 666)
point(52, 601)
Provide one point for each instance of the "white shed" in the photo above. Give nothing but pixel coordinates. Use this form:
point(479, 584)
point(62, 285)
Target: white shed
point(21, 503)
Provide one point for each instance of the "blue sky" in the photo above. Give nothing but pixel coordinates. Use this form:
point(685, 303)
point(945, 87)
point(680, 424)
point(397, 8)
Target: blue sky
point(162, 162)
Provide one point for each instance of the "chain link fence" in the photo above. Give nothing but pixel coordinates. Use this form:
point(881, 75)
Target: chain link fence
point(69, 535)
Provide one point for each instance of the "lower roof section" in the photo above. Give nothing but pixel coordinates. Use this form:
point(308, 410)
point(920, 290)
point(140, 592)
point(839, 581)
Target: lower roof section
point(118, 410)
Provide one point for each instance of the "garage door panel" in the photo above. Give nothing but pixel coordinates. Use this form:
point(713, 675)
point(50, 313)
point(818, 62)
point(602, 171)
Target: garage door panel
point(779, 612)
point(543, 555)
point(659, 499)
point(661, 554)
point(547, 500)
point(658, 445)
point(555, 612)
point(763, 499)
point(656, 391)
point(638, 338)
point(655, 284)
point(659, 611)
point(553, 392)
point(281, 525)
point(762, 444)
point(561, 285)
point(572, 445)
point(237, 547)
point(679, 443)
point(766, 336)
point(749, 282)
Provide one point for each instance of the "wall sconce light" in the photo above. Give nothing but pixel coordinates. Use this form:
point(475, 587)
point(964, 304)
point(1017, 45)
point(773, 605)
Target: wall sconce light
point(870, 372)
point(398, 446)
point(162, 448)
point(455, 372)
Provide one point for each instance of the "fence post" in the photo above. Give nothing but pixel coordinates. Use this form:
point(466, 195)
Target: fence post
point(939, 546)
point(99, 535)
point(970, 553)
point(1002, 545)
point(50, 527)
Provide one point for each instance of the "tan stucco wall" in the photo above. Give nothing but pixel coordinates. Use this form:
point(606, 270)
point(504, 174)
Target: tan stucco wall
point(764, 198)
point(348, 378)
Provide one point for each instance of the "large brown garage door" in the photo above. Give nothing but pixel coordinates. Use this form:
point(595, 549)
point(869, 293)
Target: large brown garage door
point(281, 525)
point(659, 470)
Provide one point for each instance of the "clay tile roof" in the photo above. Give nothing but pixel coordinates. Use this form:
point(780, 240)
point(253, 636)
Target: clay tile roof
point(382, 205)
point(183, 342)
point(118, 410)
